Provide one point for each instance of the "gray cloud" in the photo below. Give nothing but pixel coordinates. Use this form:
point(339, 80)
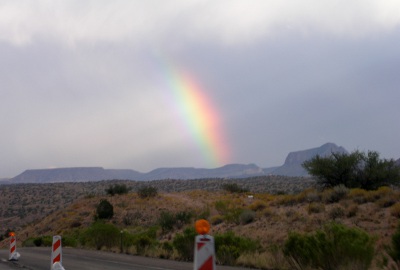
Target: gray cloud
point(86, 83)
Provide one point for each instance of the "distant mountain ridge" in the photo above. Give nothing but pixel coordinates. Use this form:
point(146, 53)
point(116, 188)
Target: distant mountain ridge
point(83, 174)
point(291, 167)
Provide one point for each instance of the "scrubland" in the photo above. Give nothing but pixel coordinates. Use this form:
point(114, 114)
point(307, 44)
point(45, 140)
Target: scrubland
point(252, 226)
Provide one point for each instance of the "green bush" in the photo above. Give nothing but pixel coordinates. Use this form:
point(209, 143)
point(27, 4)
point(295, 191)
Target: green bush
point(336, 212)
point(166, 221)
point(29, 242)
point(234, 215)
point(101, 234)
point(41, 241)
point(147, 192)
point(104, 210)
point(228, 247)
point(144, 240)
point(69, 241)
point(395, 249)
point(38, 241)
point(184, 244)
point(168, 249)
point(117, 189)
point(247, 216)
point(315, 208)
point(229, 211)
point(334, 247)
point(234, 188)
point(182, 218)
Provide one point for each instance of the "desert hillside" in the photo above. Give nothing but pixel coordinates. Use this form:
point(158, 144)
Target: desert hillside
point(23, 204)
point(254, 213)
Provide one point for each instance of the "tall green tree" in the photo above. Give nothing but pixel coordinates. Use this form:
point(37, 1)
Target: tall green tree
point(336, 169)
point(356, 169)
point(376, 172)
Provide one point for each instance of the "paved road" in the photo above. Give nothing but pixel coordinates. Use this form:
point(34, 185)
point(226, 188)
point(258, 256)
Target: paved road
point(77, 259)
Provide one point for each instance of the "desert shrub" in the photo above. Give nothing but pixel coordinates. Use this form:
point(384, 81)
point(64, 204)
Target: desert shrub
point(184, 244)
point(43, 241)
point(204, 213)
point(395, 210)
point(229, 211)
point(287, 200)
point(336, 212)
point(147, 192)
point(335, 194)
point(69, 241)
point(334, 247)
point(358, 195)
point(268, 212)
point(38, 241)
point(75, 224)
point(101, 234)
point(183, 217)
point(341, 191)
point(387, 201)
point(104, 210)
point(233, 216)
point(247, 216)
point(117, 189)
point(315, 208)
point(168, 250)
point(166, 221)
point(29, 242)
point(352, 210)
point(258, 205)
point(217, 219)
point(142, 239)
point(313, 196)
point(228, 247)
point(380, 193)
point(395, 248)
point(307, 195)
point(221, 207)
point(234, 188)
point(142, 243)
point(131, 218)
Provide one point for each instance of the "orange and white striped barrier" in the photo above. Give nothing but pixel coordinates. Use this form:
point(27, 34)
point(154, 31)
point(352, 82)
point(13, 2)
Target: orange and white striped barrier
point(56, 254)
point(204, 251)
point(13, 254)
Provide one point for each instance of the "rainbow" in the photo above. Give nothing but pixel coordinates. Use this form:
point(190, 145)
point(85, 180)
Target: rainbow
point(199, 115)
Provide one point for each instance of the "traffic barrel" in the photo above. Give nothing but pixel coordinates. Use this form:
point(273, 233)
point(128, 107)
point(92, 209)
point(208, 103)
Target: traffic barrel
point(204, 250)
point(13, 254)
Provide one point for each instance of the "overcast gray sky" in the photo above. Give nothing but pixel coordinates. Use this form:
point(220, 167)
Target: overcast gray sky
point(147, 84)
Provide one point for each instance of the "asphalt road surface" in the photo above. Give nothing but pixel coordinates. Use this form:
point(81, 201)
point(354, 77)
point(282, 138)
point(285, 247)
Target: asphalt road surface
point(78, 259)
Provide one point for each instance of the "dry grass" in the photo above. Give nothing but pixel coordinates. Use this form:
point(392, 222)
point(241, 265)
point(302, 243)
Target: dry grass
point(275, 215)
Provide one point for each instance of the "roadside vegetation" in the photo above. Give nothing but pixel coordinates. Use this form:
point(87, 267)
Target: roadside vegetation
point(354, 228)
point(332, 224)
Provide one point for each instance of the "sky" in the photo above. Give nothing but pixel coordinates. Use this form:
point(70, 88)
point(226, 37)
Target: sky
point(197, 83)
